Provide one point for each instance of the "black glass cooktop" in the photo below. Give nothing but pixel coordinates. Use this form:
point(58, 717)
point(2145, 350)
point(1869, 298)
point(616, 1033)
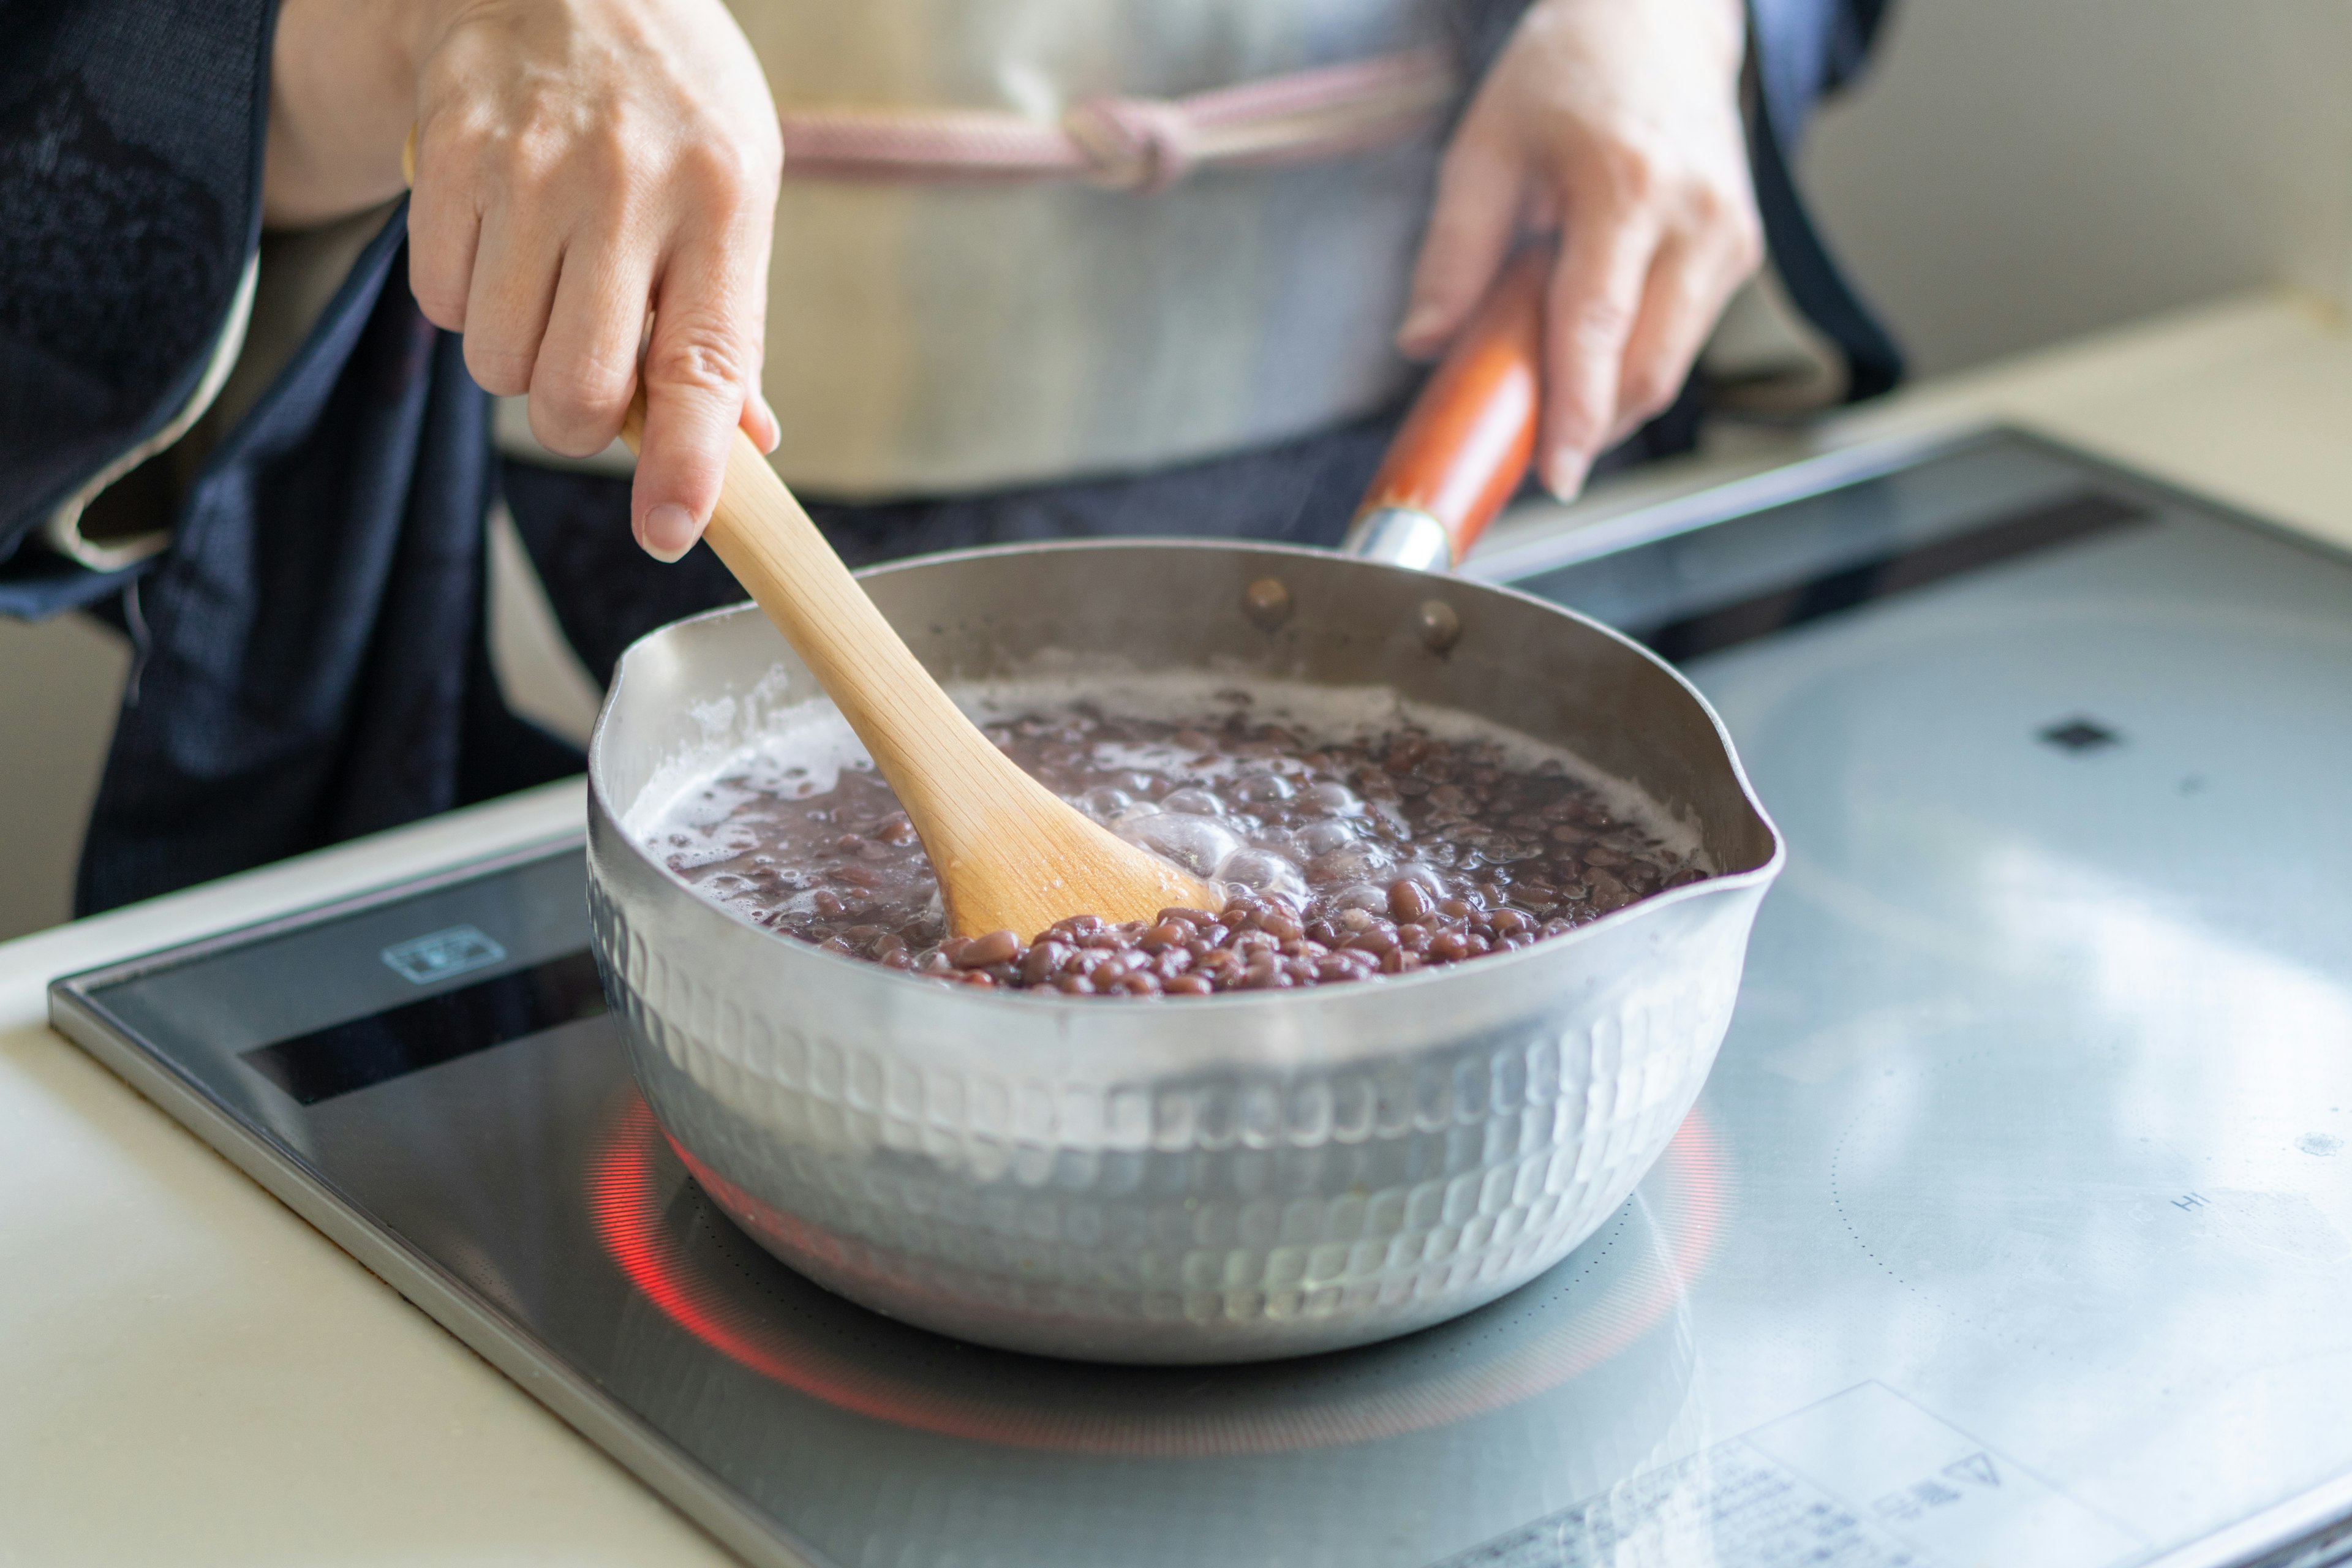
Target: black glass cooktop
point(2015, 1226)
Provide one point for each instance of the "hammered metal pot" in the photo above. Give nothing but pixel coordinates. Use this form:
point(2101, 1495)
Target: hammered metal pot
point(1217, 1179)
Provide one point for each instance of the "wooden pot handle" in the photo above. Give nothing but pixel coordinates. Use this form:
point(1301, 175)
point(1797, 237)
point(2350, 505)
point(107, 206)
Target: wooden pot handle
point(1465, 443)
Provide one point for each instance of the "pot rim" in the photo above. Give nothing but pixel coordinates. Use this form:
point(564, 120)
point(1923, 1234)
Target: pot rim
point(1058, 1005)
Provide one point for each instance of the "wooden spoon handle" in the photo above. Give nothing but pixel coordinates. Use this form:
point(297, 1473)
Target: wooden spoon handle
point(1463, 448)
point(1010, 853)
point(759, 531)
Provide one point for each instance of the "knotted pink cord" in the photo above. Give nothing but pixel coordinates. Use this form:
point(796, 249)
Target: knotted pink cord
point(1141, 144)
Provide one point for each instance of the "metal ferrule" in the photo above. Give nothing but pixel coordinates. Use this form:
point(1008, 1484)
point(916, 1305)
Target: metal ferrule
point(1401, 536)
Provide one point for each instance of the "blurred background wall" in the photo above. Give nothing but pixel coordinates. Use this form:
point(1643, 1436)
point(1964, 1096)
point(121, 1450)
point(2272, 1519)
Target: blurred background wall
point(2012, 172)
point(2015, 172)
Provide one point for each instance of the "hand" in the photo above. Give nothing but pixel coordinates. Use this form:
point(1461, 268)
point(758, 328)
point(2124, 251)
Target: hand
point(1617, 123)
point(581, 165)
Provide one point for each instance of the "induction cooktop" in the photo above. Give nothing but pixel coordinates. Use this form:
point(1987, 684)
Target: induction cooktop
point(2014, 1228)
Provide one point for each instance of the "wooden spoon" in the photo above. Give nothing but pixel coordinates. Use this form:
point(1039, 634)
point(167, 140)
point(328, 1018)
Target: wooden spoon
point(1010, 853)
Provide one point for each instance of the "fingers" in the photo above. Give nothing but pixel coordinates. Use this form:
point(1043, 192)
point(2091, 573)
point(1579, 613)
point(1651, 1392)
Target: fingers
point(1679, 304)
point(1594, 300)
point(508, 301)
point(444, 230)
point(761, 424)
point(701, 379)
point(586, 371)
point(1471, 229)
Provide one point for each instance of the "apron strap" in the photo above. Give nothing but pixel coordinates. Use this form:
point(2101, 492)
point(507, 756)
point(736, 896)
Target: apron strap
point(1142, 144)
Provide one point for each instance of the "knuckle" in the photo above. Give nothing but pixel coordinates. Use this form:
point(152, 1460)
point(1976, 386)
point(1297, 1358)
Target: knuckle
point(499, 368)
point(442, 305)
point(698, 355)
point(1629, 170)
point(530, 159)
point(576, 408)
point(1598, 326)
point(1746, 242)
point(720, 173)
point(1709, 208)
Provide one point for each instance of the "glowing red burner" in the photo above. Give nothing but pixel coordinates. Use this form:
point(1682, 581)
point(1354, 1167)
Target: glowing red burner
point(633, 1175)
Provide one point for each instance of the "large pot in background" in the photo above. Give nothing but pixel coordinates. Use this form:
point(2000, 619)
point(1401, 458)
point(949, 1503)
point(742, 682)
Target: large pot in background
point(1202, 1180)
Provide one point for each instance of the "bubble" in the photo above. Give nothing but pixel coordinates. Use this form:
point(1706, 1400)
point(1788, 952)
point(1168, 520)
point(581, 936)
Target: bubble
point(1277, 840)
point(1337, 799)
point(1362, 896)
point(1355, 861)
point(1258, 787)
point(1264, 873)
point(1104, 804)
point(1198, 844)
point(1322, 837)
point(1428, 876)
point(1194, 802)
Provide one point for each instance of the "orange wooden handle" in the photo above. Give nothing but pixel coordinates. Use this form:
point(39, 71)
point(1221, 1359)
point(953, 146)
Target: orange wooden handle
point(1465, 446)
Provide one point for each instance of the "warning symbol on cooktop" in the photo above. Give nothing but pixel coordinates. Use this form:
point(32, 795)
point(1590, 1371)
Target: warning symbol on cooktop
point(438, 955)
point(1976, 1470)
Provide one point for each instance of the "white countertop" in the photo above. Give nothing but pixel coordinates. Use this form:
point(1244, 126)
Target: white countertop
point(189, 1373)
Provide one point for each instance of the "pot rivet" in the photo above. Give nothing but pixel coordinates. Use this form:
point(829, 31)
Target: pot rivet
point(1440, 628)
point(1266, 603)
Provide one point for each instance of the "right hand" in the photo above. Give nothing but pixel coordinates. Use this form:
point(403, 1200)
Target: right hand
point(581, 167)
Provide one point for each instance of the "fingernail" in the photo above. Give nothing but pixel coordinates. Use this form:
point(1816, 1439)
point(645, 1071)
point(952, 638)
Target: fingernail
point(1419, 322)
point(775, 425)
point(1564, 475)
point(668, 532)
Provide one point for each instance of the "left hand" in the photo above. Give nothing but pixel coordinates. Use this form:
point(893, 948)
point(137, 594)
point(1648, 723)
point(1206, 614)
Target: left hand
point(1617, 123)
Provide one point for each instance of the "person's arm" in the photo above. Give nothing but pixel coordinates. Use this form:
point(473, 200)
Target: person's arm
point(1617, 123)
point(580, 164)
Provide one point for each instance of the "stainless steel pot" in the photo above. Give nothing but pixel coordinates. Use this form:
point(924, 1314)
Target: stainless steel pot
point(1218, 1179)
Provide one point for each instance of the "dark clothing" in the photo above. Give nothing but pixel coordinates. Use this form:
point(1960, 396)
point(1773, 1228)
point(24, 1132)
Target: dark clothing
point(312, 656)
point(313, 665)
point(607, 593)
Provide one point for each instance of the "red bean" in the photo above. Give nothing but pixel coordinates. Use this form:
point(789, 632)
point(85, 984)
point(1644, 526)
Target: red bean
point(1408, 900)
point(1218, 964)
point(1167, 934)
point(1507, 857)
point(996, 947)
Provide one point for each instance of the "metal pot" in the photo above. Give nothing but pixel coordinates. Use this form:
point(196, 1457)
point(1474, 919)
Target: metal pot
point(1217, 1179)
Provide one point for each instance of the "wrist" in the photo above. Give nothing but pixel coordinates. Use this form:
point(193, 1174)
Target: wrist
point(342, 95)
